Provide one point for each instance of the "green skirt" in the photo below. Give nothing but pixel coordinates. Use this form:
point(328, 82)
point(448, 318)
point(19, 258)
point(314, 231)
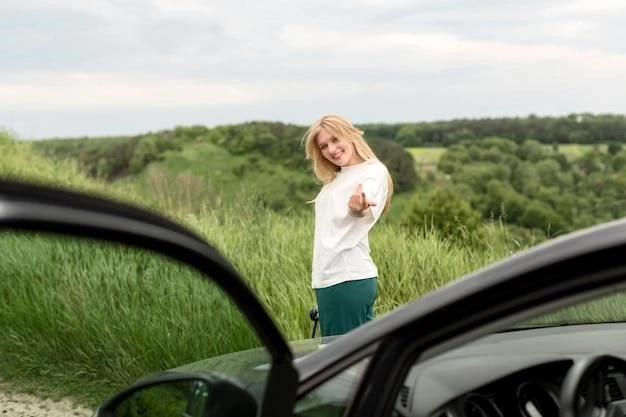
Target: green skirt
point(345, 306)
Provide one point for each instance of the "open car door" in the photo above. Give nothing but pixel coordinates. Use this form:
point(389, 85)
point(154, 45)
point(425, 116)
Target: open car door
point(57, 241)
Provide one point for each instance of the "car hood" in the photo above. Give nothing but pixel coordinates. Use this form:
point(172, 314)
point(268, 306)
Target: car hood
point(249, 369)
point(250, 365)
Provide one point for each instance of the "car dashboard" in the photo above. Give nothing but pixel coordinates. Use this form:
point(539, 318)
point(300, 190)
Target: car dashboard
point(511, 374)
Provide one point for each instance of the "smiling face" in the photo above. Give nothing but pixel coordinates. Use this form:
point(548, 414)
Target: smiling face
point(339, 152)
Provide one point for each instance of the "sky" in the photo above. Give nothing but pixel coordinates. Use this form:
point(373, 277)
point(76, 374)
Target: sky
point(110, 67)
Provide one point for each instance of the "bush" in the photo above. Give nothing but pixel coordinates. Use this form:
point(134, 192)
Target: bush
point(447, 212)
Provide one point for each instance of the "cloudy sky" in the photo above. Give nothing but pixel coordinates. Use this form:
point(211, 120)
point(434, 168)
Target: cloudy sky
point(96, 67)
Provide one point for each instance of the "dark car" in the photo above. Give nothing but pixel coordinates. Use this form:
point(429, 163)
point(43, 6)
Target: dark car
point(539, 334)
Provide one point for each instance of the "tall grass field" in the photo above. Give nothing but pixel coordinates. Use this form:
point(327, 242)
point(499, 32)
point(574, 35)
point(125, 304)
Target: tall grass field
point(83, 319)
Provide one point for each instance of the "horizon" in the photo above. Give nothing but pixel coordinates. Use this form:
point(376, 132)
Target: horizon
point(17, 135)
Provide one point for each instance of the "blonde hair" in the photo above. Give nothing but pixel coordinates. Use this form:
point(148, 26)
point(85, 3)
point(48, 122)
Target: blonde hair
point(324, 170)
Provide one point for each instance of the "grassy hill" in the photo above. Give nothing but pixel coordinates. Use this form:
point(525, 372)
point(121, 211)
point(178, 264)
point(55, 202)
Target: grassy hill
point(198, 166)
point(205, 174)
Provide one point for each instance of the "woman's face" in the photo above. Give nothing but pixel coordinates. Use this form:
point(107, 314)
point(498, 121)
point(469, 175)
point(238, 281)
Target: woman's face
point(338, 151)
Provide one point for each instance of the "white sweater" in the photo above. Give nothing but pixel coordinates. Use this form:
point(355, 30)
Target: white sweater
point(341, 249)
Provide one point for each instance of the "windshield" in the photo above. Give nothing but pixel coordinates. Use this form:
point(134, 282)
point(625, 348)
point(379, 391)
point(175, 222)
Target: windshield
point(607, 309)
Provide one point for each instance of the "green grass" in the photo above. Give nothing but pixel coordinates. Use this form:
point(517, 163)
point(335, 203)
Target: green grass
point(573, 151)
point(89, 318)
point(83, 319)
point(93, 317)
point(610, 308)
point(427, 156)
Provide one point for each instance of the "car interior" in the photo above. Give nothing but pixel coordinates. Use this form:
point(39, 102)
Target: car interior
point(521, 371)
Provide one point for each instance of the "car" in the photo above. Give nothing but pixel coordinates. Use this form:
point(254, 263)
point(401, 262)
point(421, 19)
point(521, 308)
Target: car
point(525, 336)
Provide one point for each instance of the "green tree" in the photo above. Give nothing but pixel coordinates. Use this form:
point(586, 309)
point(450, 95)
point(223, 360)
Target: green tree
point(538, 215)
point(446, 211)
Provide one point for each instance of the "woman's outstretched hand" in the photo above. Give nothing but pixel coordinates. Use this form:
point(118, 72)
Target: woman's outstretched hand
point(358, 202)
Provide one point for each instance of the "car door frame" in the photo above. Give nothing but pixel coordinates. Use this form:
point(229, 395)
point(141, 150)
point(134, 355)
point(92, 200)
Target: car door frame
point(552, 275)
point(31, 207)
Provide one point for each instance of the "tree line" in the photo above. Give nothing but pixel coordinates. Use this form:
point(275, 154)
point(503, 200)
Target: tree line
point(113, 158)
point(578, 128)
point(491, 169)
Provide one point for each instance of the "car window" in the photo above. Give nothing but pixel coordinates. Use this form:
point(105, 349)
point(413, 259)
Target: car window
point(519, 369)
point(606, 309)
point(332, 398)
point(107, 315)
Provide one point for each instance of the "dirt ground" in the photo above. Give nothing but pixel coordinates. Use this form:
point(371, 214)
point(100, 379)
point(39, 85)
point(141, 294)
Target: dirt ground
point(24, 405)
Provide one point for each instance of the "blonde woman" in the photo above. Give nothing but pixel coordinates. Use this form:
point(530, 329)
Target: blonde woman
point(356, 190)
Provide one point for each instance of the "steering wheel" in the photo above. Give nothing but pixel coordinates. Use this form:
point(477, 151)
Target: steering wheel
point(591, 373)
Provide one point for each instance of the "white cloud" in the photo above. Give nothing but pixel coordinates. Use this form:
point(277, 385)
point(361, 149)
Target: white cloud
point(440, 50)
point(569, 29)
point(175, 8)
point(385, 59)
point(110, 91)
point(585, 7)
point(104, 9)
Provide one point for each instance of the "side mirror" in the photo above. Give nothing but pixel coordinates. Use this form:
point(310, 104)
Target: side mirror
point(181, 395)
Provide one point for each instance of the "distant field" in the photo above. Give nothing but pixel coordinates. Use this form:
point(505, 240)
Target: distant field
point(574, 151)
point(429, 156)
point(426, 157)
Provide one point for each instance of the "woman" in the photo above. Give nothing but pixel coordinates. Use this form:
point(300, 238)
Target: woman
point(357, 189)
